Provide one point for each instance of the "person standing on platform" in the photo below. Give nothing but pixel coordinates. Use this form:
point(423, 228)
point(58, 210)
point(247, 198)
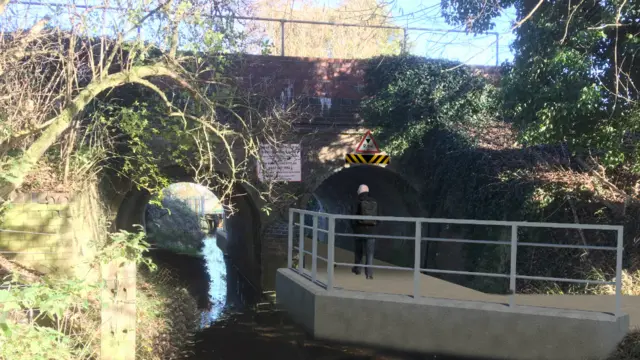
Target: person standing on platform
point(367, 206)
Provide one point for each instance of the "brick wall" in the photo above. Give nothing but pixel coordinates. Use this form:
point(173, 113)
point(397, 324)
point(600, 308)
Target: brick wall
point(327, 90)
point(274, 251)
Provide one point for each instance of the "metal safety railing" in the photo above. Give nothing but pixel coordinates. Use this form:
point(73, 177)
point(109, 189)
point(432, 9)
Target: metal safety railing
point(418, 239)
point(282, 22)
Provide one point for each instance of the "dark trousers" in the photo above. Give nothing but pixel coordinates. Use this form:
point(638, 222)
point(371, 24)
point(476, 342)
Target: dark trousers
point(364, 247)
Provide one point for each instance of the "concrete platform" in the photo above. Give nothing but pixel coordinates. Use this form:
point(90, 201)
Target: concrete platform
point(450, 319)
point(448, 327)
point(401, 283)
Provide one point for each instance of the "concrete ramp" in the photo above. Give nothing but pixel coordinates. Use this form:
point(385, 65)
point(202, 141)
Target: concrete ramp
point(448, 327)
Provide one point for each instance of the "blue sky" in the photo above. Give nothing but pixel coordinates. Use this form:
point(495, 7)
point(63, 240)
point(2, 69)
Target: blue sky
point(470, 49)
point(480, 49)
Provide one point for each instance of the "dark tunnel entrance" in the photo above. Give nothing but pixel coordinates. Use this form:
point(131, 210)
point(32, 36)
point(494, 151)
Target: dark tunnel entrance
point(395, 197)
point(220, 269)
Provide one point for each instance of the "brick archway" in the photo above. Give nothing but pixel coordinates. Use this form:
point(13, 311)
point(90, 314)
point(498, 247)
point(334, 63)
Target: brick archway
point(243, 227)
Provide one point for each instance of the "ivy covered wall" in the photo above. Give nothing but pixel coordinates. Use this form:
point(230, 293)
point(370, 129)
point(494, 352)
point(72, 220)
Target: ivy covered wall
point(443, 123)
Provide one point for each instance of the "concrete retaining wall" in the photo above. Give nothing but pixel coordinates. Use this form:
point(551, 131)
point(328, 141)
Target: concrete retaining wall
point(51, 232)
point(447, 327)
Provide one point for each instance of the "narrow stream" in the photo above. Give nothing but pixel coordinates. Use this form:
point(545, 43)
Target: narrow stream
point(232, 329)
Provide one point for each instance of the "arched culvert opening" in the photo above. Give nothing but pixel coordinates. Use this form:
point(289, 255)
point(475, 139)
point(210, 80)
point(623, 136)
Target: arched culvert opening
point(218, 279)
point(179, 223)
point(395, 196)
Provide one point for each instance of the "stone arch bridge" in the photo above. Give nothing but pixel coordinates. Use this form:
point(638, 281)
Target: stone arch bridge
point(328, 91)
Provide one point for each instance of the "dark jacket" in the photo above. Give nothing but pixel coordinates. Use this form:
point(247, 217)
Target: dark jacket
point(361, 228)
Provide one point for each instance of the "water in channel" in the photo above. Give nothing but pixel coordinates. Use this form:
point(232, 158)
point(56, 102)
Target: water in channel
point(232, 329)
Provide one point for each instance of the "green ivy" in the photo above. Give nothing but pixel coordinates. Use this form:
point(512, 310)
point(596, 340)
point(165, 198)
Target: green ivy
point(127, 246)
point(409, 96)
point(425, 113)
point(574, 75)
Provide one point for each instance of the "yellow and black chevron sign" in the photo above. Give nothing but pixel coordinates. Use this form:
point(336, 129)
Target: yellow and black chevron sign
point(375, 159)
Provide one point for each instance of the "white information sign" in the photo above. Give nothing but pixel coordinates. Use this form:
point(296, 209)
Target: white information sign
point(280, 164)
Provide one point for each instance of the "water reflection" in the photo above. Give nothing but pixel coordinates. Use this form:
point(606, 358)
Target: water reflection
point(217, 270)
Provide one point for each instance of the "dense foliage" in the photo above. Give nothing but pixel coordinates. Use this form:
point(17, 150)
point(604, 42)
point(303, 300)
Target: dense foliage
point(575, 75)
point(410, 96)
point(340, 42)
point(175, 225)
point(445, 132)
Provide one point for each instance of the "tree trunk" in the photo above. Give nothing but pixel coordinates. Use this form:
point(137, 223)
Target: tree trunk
point(23, 165)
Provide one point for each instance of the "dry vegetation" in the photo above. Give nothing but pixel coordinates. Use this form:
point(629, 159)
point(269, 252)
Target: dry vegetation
point(167, 317)
point(307, 40)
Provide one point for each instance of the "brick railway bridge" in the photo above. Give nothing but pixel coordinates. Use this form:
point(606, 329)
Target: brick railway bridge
point(330, 91)
point(407, 310)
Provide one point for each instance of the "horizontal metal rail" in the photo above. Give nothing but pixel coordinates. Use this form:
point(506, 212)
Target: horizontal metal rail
point(311, 227)
point(376, 266)
point(472, 222)
point(467, 241)
point(340, 24)
point(310, 253)
point(255, 18)
point(26, 232)
point(544, 278)
point(282, 22)
point(419, 240)
point(564, 246)
point(457, 272)
point(392, 237)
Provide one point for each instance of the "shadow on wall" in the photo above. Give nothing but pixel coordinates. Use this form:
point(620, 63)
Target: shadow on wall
point(395, 196)
point(243, 231)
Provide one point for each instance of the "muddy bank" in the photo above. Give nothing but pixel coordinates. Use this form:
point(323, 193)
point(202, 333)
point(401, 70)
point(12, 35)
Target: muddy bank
point(189, 271)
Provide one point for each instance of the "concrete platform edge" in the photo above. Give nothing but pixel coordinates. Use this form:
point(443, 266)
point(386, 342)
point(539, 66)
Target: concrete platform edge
point(448, 327)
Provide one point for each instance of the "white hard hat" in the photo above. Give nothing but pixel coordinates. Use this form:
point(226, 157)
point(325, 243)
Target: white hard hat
point(363, 188)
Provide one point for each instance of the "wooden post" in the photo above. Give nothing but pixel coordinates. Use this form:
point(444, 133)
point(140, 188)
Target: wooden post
point(118, 332)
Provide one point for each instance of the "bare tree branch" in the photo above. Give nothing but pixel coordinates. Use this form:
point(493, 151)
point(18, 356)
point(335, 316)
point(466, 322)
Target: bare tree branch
point(61, 122)
point(529, 15)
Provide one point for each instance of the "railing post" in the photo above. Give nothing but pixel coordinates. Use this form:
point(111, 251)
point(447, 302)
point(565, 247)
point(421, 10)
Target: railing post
point(281, 38)
point(619, 248)
point(497, 49)
point(290, 241)
point(416, 260)
point(404, 41)
point(301, 245)
point(314, 250)
point(514, 255)
point(331, 251)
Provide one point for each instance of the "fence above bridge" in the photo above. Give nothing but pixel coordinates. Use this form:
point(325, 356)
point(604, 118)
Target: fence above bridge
point(418, 240)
